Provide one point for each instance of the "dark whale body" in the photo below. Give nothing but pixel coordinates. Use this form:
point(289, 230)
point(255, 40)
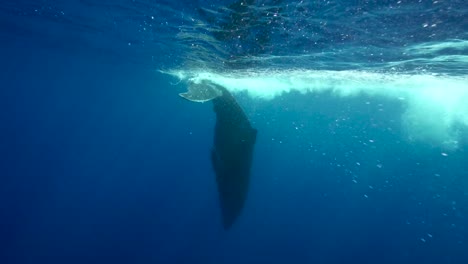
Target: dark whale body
point(231, 155)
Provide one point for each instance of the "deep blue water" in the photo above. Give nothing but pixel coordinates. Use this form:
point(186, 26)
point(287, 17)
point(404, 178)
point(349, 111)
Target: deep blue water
point(361, 109)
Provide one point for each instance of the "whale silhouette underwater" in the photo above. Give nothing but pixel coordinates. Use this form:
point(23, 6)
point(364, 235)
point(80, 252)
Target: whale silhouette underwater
point(233, 145)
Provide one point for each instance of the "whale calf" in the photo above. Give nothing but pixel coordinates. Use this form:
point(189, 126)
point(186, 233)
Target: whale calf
point(233, 145)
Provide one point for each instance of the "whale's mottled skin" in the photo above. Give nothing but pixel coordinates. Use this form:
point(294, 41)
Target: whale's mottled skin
point(202, 92)
point(232, 151)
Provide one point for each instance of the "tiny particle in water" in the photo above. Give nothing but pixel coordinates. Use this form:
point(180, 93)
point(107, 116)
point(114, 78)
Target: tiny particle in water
point(423, 240)
point(429, 235)
point(357, 163)
point(444, 154)
point(371, 187)
point(354, 181)
point(365, 196)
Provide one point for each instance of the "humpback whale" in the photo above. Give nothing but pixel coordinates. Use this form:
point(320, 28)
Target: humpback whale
point(233, 144)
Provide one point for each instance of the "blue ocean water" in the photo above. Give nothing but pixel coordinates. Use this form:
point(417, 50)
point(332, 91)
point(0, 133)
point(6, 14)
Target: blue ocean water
point(361, 109)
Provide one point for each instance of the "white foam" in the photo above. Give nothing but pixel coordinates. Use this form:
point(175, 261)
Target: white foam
point(434, 47)
point(436, 104)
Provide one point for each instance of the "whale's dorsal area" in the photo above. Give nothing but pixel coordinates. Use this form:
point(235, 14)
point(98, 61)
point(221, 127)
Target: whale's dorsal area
point(202, 92)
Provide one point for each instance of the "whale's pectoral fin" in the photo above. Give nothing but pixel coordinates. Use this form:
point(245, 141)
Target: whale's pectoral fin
point(201, 92)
